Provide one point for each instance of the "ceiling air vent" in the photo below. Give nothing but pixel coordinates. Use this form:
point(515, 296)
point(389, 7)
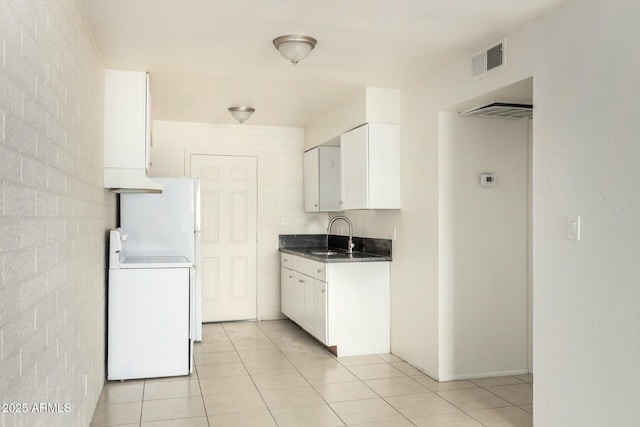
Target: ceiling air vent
point(489, 60)
point(502, 109)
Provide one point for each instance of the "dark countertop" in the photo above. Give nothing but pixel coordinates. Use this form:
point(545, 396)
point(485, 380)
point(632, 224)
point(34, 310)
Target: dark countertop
point(365, 250)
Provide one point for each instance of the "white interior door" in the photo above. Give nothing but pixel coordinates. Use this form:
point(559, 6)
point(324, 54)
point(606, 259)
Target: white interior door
point(228, 200)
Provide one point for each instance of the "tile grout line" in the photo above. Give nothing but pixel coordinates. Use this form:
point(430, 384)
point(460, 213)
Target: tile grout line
point(407, 418)
point(483, 388)
point(359, 380)
point(428, 390)
point(249, 373)
point(302, 375)
point(144, 387)
point(378, 394)
point(235, 350)
point(511, 403)
point(195, 365)
point(272, 336)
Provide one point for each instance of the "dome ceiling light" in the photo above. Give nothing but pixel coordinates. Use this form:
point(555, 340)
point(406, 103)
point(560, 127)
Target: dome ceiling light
point(294, 47)
point(241, 113)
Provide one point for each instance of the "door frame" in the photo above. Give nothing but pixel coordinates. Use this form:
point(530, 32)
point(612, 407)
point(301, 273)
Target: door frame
point(188, 153)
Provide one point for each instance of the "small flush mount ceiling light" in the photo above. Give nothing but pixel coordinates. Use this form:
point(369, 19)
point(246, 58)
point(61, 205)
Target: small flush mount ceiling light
point(294, 47)
point(241, 113)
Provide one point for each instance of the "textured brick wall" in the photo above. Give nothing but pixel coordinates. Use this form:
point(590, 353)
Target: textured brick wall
point(54, 214)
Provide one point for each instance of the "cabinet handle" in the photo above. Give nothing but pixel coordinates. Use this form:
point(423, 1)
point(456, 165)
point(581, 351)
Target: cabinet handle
point(323, 291)
point(319, 271)
point(300, 280)
point(290, 277)
point(316, 205)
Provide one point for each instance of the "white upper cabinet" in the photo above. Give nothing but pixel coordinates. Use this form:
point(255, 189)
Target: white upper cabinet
point(322, 179)
point(311, 180)
point(127, 135)
point(370, 167)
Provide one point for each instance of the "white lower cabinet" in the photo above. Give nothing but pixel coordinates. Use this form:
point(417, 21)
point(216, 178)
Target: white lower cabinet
point(309, 310)
point(303, 299)
point(343, 305)
point(298, 297)
point(320, 310)
point(287, 283)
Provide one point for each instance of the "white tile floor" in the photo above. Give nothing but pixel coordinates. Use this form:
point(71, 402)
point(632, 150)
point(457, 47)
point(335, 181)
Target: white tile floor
point(272, 374)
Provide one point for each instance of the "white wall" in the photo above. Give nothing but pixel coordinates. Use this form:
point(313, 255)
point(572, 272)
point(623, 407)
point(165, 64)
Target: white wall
point(530, 247)
point(280, 185)
point(414, 279)
point(586, 153)
point(483, 247)
point(585, 156)
point(411, 289)
point(367, 105)
point(54, 211)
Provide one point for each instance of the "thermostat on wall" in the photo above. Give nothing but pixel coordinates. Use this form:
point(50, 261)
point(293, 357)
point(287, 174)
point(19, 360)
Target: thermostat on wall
point(487, 180)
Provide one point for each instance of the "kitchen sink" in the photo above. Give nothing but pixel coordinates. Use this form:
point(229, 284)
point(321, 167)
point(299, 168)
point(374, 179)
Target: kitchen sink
point(324, 253)
point(332, 254)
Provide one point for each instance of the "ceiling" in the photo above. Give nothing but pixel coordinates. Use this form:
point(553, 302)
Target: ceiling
point(207, 55)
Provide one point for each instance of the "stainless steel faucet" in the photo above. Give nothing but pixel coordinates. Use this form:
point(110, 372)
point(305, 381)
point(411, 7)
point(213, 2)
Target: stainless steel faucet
point(350, 242)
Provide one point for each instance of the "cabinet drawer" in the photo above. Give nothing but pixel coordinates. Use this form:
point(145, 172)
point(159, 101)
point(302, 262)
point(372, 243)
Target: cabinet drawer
point(310, 268)
point(286, 260)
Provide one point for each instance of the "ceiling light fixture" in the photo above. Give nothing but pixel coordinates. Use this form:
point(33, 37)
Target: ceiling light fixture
point(294, 47)
point(241, 113)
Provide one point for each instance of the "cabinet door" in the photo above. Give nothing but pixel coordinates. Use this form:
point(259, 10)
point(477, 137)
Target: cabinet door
point(311, 181)
point(329, 160)
point(320, 291)
point(309, 317)
point(370, 166)
point(125, 119)
point(384, 166)
point(322, 179)
point(354, 169)
point(287, 284)
point(298, 297)
point(147, 125)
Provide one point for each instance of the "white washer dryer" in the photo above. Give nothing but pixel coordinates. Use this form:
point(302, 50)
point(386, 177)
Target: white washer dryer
point(149, 315)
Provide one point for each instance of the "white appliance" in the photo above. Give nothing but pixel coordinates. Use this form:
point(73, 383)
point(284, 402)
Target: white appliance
point(149, 319)
point(166, 224)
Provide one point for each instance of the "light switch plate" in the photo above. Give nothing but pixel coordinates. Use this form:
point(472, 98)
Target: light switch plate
point(573, 227)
